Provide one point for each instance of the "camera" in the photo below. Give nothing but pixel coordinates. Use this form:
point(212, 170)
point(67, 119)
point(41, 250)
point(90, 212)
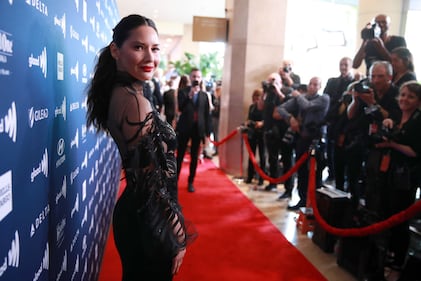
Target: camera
point(370, 32)
point(286, 69)
point(289, 136)
point(267, 86)
point(362, 86)
point(384, 133)
point(195, 83)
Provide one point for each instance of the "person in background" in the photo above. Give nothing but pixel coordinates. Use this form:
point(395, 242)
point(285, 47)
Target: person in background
point(377, 43)
point(254, 125)
point(193, 124)
point(403, 66)
point(289, 78)
point(149, 228)
point(401, 177)
point(304, 114)
point(169, 102)
point(335, 87)
point(215, 113)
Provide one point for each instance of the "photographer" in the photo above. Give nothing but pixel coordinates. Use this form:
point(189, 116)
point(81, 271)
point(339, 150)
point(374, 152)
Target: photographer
point(289, 78)
point(254, 128)
point(304, 114)
point(399, 177)
point(377, 44)
point(274, 130)
point(372, 101)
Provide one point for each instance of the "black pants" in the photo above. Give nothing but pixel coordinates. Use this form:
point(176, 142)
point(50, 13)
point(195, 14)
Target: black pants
point(183, 140)
point(142, 255)
point(256, 141)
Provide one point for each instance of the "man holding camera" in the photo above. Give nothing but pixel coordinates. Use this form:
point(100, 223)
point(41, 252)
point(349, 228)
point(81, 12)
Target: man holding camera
point(193, 123)
point(304, 114)
point(289, 78)
point(377, 44)
point(372, 101)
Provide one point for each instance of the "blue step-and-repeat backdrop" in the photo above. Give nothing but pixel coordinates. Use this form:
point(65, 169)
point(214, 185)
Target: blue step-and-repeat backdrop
point(58, 179)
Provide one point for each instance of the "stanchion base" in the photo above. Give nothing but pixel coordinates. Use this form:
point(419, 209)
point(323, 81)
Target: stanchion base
point(306, 220)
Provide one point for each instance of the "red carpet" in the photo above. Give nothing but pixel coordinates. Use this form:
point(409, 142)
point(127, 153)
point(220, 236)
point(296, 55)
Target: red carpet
point(236, 241)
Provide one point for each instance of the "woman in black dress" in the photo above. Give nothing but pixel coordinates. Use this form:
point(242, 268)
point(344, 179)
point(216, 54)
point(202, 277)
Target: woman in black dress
point(149, 228)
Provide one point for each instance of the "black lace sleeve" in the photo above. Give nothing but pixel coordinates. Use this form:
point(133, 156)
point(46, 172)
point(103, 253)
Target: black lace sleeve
point(152, 177)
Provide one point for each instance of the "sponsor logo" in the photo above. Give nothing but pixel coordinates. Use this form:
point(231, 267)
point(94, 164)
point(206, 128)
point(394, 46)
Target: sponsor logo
point(11, 2)
point(74, 174)
point(74, 106)
point(39, 220)
point(42, 167)
point(92, 22)
point(61, 22)
point(39, 6)
point(13, 255)
point(76, 270)
point(61, 110)
point(60, 152)
point(9, 123)
point(36, 115)
point(85, 217)
point(60, 232)
point(39, 61)
point(85, 43)
point(84, 74)
point(62, 192)
point(45, 264)
point(74, 240)
point(84, 246)
point(6, 202)
point(83, 190)
point(83, 133)
point(91, 226)
point(85, 161)
point(60, 66)
point(6, 46)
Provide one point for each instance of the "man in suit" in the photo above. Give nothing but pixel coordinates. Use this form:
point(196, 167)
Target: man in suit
point(193, 123)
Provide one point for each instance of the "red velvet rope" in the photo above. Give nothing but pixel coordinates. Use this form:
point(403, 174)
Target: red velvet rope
point(217, 143)
point(396, 219)
point(280, 179)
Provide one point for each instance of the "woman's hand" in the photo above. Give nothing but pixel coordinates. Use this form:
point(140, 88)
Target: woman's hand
point(177, 261)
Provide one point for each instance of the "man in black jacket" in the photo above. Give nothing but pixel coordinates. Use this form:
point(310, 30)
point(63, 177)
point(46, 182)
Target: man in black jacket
point(193, 123)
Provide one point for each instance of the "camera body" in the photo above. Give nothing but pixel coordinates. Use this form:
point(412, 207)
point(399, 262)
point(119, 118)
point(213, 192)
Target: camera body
point(370, 32)
point(384, 133)
point(195, 83)
point(267, 86)
point(363, 86)
point(286, 69)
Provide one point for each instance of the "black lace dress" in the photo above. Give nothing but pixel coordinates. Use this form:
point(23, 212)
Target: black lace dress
point(148, 224)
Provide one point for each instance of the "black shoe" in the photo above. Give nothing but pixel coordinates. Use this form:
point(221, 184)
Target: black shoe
point(285, 195)
point(260, 182)
point(205, 155)
point(190, 187)
point(299, 205)
point(270, 187)
point(248, 180)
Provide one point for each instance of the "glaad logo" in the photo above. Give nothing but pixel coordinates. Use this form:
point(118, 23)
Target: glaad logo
point(61, 22)
point(6, 203)
point(75, 71)
point(37, 115)
point(12, 258)
point(84, 74)
point(11, 2)
point(75, 141)
point(42, 167)
point(85, 43)
point(85, 217)
point(45, 264)
point(60, 231)
point(61, 110)
point(62, 192)
point(63, 266)
point(76, 270)
point(40, 61)
point(77, 5)
point(76, 206)
point(9, 123)
point(85, 161)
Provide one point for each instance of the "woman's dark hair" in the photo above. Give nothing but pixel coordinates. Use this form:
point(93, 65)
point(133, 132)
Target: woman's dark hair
point(105, 73)
point(405, 55)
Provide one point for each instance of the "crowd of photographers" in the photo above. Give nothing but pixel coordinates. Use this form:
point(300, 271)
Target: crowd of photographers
point(367, 132)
